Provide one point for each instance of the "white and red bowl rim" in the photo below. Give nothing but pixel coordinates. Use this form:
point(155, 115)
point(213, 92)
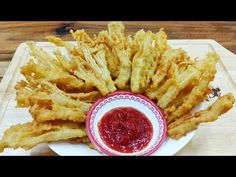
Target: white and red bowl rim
point(93, 140)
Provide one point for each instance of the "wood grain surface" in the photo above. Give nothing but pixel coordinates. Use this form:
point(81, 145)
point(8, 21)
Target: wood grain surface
point(14, 33)
point(215, 138)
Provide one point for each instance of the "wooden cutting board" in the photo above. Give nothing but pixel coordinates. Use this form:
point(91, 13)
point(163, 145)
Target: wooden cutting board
point(217, 138)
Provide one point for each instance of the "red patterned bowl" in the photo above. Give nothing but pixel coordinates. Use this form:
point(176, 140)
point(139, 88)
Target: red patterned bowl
point(126, 99)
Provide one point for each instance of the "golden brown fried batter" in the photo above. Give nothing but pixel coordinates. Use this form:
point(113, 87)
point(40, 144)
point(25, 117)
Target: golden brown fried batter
point(191, 75)
point(169, 66)
point(188, 122)
point(30, 134)
point(120, 52)
point(149, 47)
point(45, 110)
point(60, 88)
point(48, 68)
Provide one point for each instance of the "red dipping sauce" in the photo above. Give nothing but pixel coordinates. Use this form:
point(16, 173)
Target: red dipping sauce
point(125, 129)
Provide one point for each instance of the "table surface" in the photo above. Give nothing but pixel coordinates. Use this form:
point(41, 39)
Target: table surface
point(14, 33)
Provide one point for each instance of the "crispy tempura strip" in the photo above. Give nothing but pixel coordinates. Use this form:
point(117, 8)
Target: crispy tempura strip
point(25, 91)
point(210, 60)
point(53, 72)
point(46, 110)
point(182, 96)
point(60, 43)
point(143, 63)
point(207, 67)
point(69, 83)
point(104, 71)
point(123, 53)
point(115, 36)
point(45, 106)
point(124, 72)
point(190, 75)
point(116, 30)
point(35, 74)
point(164, 88)
point(161, 40)
point(82, 37)
point(179, 100)
point(197, 95)
point(89, 97)
point(29, 135)
point(111, 59)
point(168, 57)
point(68, 102)
point(187, 123)
point(89, 77)
point(98, 64)
point(64, 101)
point(201, 89)
point(120, 62)
point(23, 94)
point(43, 57)
point(149, 48)
point(47, 92)
point(173, 72)
point(85, 70)
point(169, 67)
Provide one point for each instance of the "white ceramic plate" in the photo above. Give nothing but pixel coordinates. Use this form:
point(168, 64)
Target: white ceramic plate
point(169, 146)
point(195, 48)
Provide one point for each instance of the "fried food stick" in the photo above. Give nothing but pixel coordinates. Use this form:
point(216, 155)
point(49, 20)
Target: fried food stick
point(50, 103)
point(120, 61)
point(82, 69)
point(60, 43)
point(169, 60)
point(191, 75)
point(200, 90)
point(35, 74)
point(124, 71)
point(89, 77)
point(48, 68)
point(179, 100)
point(82, 37)
point(112, 60)
point(187, 123)
point(143, 63)
point(91, 68)
point(45, 110)
point(197, 95)
point(188, 76)
point(47, 92)
point(89, 97)
point(168, 57)
point(77, 52)
point(29, 135)
point(98, 64)
point(149, 47)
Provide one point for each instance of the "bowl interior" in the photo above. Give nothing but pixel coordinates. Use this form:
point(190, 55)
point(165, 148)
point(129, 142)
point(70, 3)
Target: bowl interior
point(148, 108)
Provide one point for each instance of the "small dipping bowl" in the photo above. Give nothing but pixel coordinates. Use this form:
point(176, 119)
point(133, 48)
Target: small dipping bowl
point(126, 99)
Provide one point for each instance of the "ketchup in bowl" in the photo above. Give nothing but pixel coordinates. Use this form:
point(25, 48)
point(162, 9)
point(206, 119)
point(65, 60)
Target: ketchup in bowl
point(124, 123)
point(125, 129)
